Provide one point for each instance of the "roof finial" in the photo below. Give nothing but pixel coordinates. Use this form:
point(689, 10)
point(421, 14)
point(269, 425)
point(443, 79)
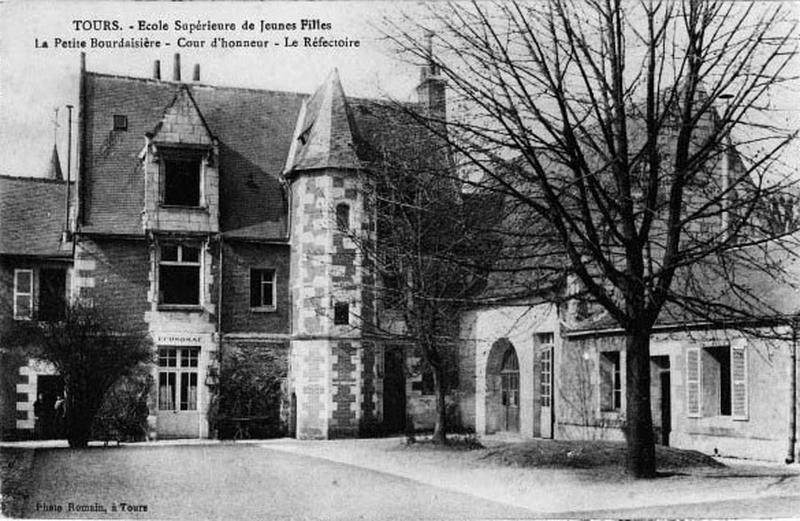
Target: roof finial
point(55, 125)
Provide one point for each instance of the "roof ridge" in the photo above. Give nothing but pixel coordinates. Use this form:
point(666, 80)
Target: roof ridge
point(34, 179)
point(196, 84)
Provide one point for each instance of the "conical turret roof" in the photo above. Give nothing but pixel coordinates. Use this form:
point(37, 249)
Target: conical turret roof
point(326, 136)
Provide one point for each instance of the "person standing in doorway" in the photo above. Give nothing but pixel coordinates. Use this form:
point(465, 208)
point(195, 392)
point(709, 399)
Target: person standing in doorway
point(40, 417)
point(60, 410)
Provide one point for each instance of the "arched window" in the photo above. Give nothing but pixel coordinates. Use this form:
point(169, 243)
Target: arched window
point(510, 361)
point(343, 216)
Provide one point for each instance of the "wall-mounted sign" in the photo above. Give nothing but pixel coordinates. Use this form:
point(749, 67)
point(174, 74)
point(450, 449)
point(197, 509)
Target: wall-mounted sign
point(178, 339)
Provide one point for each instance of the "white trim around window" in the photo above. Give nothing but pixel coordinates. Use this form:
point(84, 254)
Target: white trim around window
point(23, 294)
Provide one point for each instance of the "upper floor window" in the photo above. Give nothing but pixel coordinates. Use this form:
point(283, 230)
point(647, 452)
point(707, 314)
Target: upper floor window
point(179, 275)
point(343, 216)
point(50, 285)
point(262, 289)
point(23, 294)
point(181, 179)
point(120, 122)
point(341, 314)
point(52, 294)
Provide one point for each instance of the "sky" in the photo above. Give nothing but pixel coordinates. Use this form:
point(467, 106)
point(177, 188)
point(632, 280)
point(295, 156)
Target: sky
point(34, 81)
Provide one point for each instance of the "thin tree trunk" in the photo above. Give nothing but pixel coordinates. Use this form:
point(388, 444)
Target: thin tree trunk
point(440, 429)
point(639, 429)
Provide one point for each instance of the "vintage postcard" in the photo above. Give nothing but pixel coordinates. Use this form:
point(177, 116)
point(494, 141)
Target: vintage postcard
point(395, 260)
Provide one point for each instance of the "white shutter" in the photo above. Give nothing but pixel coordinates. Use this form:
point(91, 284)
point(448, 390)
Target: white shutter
point(693, 372)
point(739, 383)
point(23, 294)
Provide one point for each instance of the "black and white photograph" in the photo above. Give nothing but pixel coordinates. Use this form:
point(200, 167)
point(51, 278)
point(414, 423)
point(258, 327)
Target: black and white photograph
point(334, 260)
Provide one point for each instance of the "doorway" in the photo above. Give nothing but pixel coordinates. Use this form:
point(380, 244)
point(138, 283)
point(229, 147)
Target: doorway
point(178, 375)
point(49, 387)
point(394, 390)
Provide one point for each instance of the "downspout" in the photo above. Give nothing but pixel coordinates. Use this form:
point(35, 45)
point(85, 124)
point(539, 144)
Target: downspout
point(81, 148)
point(792, 398)
point(219, 328)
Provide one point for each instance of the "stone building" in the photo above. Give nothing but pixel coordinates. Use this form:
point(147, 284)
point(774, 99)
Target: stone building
point(222, 221)
point(226, 222)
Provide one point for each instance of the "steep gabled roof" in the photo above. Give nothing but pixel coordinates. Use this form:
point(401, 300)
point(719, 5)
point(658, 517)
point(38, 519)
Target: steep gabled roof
point(253, 128)
point(32, 212)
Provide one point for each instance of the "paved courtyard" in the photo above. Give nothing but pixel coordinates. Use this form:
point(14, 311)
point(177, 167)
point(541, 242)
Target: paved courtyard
point(375, 479)
point(241, 481)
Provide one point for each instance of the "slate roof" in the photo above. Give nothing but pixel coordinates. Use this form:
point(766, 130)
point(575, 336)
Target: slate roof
point(257, 132)
point(254, 129)
point(326, 135)
point(32, 216)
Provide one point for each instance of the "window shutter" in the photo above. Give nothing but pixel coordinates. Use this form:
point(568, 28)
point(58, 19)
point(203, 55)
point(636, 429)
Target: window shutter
point(739, 383)
point(693, 382)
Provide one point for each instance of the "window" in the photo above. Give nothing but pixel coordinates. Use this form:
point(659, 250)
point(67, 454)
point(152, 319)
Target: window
point(179, 275)
point(509, 379)
point(545, 341)
point(52, 294)
point(177, 378)
point(610, 381)
point(343, 217)
point(716, 382)
point(120, 122)
point(262, 289)
point(341, 314)
point(181, 180)
point(23, 294)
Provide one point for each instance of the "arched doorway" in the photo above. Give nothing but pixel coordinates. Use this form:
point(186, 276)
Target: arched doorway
point(502, 388)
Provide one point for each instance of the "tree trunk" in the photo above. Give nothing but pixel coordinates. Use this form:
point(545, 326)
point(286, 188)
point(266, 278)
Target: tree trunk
point(639, 428)
point(440, 429)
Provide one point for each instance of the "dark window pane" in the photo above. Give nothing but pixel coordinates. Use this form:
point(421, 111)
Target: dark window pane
point(52, 294)
point(190, 254)
point(182, 182)
point(169, 252)
point(179, 284)
point(261, 287)
point(120, 122)
point(343, 216)
point(341, 313)
point(24, 279)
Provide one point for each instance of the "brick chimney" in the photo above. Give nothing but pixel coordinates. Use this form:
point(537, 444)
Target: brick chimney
point(157, 70)
point(431, 88)
point(176, 68)
point(196, 75)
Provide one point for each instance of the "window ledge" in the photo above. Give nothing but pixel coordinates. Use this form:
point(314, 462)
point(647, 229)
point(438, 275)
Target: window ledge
point(180, 307)
point(264, 309)
point(201, 208)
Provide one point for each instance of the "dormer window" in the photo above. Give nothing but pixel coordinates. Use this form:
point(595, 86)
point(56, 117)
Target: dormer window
point(182, 178)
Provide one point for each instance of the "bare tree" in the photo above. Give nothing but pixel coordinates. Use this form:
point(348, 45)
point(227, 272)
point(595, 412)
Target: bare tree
point(431, 253)
point(639, 132)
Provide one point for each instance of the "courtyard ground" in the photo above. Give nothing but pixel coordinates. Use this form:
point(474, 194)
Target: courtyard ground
point(384, 479)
